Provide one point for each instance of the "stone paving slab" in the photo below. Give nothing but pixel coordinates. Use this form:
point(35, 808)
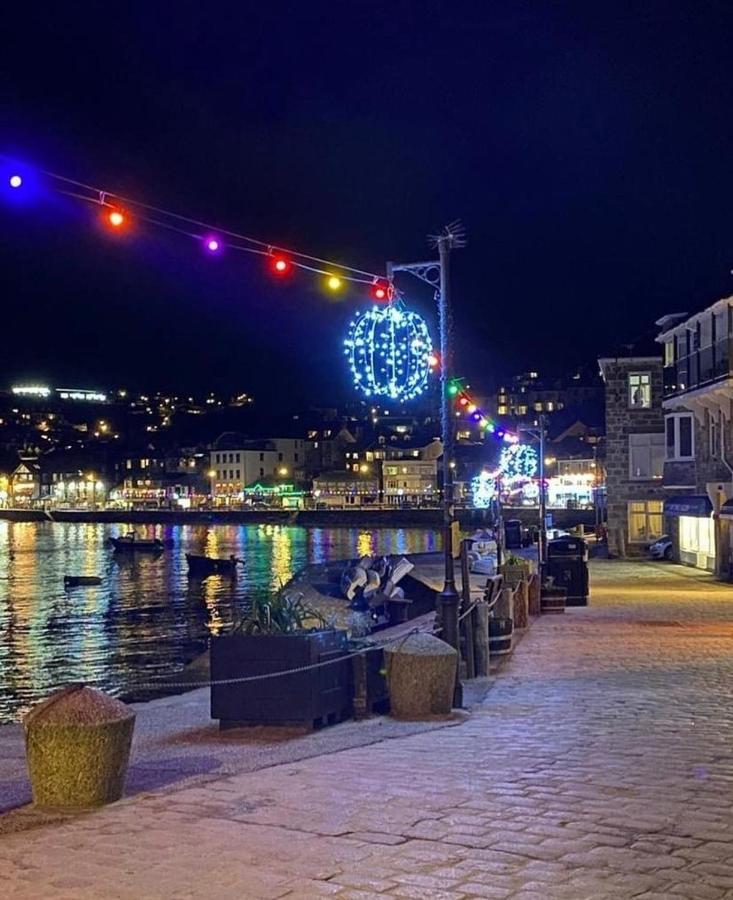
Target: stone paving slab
point(599, 766)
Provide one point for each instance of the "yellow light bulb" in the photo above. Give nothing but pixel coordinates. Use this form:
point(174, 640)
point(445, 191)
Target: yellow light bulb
point(334, 282)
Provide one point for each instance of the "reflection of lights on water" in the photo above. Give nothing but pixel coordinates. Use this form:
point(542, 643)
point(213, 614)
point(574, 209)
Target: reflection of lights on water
point(146, 619)
point(365, 543)
point(212, 587)
point(282, 556)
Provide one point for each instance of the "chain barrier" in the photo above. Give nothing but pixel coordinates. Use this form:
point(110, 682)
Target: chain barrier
point(155, 686)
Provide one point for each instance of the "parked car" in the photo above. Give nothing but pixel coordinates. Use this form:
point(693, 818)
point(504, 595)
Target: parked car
point(661, 548)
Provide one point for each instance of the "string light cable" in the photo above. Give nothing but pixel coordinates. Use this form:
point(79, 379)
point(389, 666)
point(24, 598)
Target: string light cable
point(121, 206)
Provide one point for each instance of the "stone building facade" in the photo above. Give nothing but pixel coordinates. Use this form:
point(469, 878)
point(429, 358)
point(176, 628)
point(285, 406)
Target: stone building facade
point(698, 408)
point(634, 452)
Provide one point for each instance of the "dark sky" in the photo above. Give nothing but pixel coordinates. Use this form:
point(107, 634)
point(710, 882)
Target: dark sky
point(587, 147)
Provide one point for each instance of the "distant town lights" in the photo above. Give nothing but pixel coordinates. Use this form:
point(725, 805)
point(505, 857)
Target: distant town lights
point(31, 390)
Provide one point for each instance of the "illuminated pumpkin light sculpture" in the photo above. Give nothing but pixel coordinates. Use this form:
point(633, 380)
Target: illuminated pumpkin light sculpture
point(389, 350)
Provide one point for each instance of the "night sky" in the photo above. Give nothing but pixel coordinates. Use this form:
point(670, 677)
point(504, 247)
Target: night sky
point(588, 148)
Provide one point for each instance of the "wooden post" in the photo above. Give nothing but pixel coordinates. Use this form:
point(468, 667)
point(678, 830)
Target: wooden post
point(533, 589)
point(466, 623)
point(521, 617)
point(481, 639)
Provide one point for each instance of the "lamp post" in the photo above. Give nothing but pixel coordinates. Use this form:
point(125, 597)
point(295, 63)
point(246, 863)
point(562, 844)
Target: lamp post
point(539, 433)
point(436, 274)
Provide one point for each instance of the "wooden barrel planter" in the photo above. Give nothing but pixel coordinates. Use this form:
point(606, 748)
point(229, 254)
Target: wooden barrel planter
point(500, 637)
point(553, 600)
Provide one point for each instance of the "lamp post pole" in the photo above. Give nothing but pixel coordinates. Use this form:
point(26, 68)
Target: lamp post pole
point(539, 433)
point(436, 274)
point(448, 598)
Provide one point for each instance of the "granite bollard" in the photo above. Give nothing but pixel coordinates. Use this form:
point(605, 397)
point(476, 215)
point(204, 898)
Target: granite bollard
point(78, 747)
point(421, 675)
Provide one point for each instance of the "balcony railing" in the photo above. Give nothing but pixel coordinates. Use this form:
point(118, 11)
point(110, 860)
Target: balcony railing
point(702, 367)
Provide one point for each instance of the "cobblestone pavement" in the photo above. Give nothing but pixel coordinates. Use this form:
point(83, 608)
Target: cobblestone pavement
point(599, 766)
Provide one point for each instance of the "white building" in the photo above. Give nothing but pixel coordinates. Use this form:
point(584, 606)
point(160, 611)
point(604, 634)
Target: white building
point(237, 463)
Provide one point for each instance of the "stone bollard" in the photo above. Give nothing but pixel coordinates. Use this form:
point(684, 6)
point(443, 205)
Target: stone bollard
point(533, 591)
point(77, 747)
point(421, 676)
point(521, 612)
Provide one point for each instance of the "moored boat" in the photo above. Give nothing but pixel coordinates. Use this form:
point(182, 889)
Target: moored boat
point(79, 580)
point(209, 565)
point(130, 543)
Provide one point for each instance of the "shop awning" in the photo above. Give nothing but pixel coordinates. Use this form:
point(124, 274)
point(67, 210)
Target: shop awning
point(689, 505)
point(727, 509)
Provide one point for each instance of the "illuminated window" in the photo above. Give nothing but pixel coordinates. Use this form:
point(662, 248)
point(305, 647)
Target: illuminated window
point(697, 535)
point(646, 456)
point(538, 407)
point(640, 390)
point(502, 410)
point(645, 521)
point(522, 410)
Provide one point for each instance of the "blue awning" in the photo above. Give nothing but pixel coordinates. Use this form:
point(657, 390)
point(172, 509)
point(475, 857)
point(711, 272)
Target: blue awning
point(689, 505)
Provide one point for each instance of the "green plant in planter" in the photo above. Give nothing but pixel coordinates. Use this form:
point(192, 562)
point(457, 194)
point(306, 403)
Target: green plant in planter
point(513, 560)
point(280, 614)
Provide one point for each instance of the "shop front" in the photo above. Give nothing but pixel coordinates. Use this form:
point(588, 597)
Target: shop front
point(692, 529)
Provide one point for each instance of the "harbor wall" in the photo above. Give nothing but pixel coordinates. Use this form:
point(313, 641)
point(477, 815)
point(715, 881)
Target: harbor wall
point(322, 518)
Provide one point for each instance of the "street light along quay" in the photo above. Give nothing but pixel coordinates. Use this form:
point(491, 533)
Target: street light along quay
point(436, 273)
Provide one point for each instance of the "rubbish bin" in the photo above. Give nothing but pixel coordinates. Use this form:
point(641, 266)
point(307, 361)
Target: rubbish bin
point(513, 534)
point(567, 564)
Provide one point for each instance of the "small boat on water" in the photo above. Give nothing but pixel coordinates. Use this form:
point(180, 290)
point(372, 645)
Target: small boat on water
point(209, 565)
point(71, 581)
point(130, 543)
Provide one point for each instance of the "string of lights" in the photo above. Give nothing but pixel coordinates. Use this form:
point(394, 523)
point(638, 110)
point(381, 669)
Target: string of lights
point(120, 212)
point(465, 404)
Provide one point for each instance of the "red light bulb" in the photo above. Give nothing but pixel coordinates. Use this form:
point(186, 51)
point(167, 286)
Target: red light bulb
point(116, 218)
point(280, 265)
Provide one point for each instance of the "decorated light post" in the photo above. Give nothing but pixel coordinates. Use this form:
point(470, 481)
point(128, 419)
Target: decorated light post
point(436, 274)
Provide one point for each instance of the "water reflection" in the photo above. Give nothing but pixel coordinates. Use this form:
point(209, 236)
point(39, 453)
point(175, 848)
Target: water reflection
point(148, 618)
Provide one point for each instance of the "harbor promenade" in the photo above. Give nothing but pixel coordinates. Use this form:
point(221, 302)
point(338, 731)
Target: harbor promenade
point(598, 766)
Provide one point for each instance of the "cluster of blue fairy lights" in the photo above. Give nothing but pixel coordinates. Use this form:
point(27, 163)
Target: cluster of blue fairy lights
point(389, 351)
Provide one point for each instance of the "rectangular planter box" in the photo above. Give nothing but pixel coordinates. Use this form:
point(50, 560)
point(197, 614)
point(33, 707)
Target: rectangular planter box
point(312, 698)
point(513, 574)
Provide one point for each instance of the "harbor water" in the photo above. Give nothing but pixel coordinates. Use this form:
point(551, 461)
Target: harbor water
point(147, 619)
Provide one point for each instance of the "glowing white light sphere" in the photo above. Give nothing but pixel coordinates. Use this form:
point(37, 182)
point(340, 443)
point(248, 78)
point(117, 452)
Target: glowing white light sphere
point(518, 461)
point(389, 350)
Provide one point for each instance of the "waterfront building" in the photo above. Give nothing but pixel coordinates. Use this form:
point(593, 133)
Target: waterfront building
point(236, 463)
point(698, 468)
point(25, 482)
point(347, 488)
point(634, 452)
point(410, 480)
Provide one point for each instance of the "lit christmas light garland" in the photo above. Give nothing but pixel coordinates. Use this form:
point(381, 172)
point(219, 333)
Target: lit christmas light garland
point(465, 404)
point(119, 213)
